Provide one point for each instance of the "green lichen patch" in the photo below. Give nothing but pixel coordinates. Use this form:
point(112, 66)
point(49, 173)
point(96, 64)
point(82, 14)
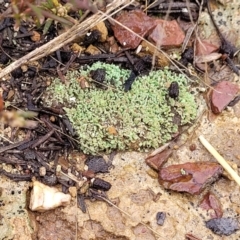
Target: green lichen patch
point(110, 119)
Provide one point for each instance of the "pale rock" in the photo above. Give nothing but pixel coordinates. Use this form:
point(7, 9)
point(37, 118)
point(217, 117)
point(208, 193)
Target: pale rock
point(92, 50)
point(44, 198)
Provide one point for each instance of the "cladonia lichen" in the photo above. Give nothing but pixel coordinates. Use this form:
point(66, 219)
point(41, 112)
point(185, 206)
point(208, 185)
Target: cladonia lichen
point(108, 119)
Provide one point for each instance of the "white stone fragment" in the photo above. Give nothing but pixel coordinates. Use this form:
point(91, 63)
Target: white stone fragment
point(44, 198)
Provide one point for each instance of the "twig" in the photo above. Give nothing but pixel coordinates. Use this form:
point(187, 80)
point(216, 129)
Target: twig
point(14, 145)
point(6, 139)
point(43, 139)
point(220, 159)
point(160, 149)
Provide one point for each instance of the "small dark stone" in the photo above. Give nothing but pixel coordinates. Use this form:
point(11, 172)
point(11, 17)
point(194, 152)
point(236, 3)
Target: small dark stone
point(65, 56)
point(187, 56)
point(193, 147)
point(31, 73)
point(160, 218)
point(173, 90)
point(98, 76)
point(101, 184)
point(97, 164)
point(223, 226)
point(52, 63)
point(92, 37)
point(17, 73)
point(50, 180)
point(4, 58)
point(143, 65)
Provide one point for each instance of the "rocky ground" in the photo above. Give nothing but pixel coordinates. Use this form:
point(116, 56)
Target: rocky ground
point(139, 204)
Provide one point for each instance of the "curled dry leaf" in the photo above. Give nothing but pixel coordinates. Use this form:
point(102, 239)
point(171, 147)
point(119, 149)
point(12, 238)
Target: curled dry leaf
point(208, 58)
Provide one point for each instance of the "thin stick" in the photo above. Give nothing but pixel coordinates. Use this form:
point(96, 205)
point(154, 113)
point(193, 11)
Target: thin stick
point(6, 139)
point(220, 159)
point(160, 149)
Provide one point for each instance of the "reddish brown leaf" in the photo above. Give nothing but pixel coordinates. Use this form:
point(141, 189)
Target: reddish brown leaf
point(167, 34)
point(159, 159)
point(222, 94)
point(189, 177)
point(204, 48)
point(210, 201)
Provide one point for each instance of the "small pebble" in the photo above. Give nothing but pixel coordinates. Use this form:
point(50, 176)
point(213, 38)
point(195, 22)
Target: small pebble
point(42, 171)
point(73, 191)
point(160, 218)
point(223, 226)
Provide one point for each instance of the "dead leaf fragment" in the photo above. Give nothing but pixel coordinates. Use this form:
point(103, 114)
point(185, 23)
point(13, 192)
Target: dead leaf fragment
point(167, 34)
point(204, 47)
point(210, 201)
point(222, 94)
point(189, 177)
point(159, 159)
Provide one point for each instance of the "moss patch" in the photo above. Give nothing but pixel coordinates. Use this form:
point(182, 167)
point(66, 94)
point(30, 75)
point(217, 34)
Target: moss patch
point(109, 119)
